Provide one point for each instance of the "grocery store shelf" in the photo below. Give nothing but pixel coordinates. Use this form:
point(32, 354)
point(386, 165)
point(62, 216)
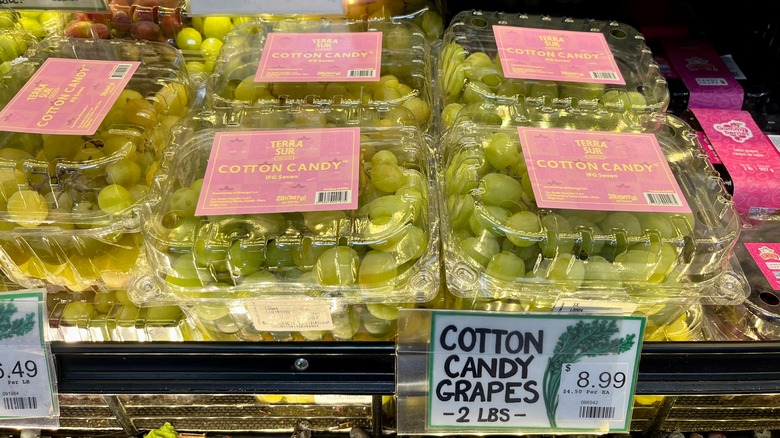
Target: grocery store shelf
point(671, 368)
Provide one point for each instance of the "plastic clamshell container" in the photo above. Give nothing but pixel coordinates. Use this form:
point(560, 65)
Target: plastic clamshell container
point(108, 316)
point(404, 77)
point(470, 71)
point(426, 14)
point(351, 322)
point(69, 241)
point(193, 259)
point(593, 254)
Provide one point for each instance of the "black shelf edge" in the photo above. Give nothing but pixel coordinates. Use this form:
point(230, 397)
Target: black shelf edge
point(665, 368)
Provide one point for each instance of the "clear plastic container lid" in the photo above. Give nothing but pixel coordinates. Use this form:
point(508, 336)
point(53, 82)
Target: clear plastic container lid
point(498, 242)
point(403, 76)
point(548, 61)
point(148, 20)
point(14, 38)
point(428, 15)
point(386, 250)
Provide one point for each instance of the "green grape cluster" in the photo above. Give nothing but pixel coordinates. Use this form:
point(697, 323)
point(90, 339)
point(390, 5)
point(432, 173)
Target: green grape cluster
point(473, 77)
point(112, 316)
point(367, 249)
point(494, 223)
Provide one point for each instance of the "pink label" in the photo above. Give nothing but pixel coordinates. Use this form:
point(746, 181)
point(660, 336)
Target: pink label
point(708, 79)
point(321, 57)
point(281, 171)
point(67, 96)
point(751, 159)
point(767, 257)
point(708, 149)
point(594, 170)
point(556, 55)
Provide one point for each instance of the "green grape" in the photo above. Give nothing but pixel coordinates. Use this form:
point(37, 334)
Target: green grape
point(138, 193)
point(262, 276)
point(621, 220)
point(481, 249)
point(184, 201)
point(141, 112)
point(377, 268)
point(197, 185)
point(184, 272)
point(266, 225)
point(647, 263)
point(210, 254)
point(61, 146)
point(104, 301)
point(387, 177)
point(279, 255)
point(124, 172)
point(556, 244)
point(623, 100)
point(506, 266)
point(530, 254)
point(659, 223)
point(216, 27)
point(246, 258)
point(566, 271)
point(522, 227)
point(27, 208)
point(419, 108)
point(476, 92)
point(163, 314)
point(500, 190)
point(307, 253)
point(345, 324)
point(389, 206)
point(337, 266)
point(544, 89)
point(528, 188)
point(599, 271)
point(250, 91)
point(387, 312)
point(411, 245)
point(460, 208)
point(384, 157)
point(501, 151)
point(10, 182)
point(211, 311)
point(324, 222)
point(450, 113)
point(581, 90)
point(474, 62)
point(589, 230)
point(188, 38)
point(114, 198)
point(489, 219)
point(593, 216)
point(77, 313)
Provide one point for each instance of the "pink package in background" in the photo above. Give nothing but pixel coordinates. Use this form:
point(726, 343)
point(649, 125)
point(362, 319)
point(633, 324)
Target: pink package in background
point(767, 257)
point(595, 170)
point(67, 96)
point(751, 159)
point(281, 171)
point(556, 55)
point(708, 79)
point(321, 57)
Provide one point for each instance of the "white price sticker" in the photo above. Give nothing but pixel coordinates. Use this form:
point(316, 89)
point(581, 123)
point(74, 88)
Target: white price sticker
point(254, 7)
point(594, 395)
point(26, 389)
point(58, 5)
point(571, 305)
point(290, 315)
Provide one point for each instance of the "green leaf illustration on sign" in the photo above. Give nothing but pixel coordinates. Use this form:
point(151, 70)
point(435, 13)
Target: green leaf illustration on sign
point(10, 327)
point(580, 340)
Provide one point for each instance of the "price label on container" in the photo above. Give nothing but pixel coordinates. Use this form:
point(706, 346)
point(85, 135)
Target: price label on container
point(26, 381)
point(255, 7)
point(511, 373)
point(57, 5)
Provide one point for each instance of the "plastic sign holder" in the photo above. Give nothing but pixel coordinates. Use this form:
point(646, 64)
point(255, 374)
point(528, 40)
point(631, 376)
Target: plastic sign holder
point(27, 383)
point(493, 372)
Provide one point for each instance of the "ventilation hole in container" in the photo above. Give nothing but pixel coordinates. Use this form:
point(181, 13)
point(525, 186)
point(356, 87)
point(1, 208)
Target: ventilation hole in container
point(480, 23)
point(769, 298)
point(707, 218)
point(618, 33)
point(687, 250)
point(669, 130)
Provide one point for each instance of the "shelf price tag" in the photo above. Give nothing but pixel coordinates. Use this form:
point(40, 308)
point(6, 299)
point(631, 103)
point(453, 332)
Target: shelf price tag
point(58, 5)
point(254, 7)
point(513, 373)
point(26, 380)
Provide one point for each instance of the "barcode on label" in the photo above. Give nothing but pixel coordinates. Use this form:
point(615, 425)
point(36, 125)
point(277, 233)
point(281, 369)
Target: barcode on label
point(603, 75)
point(718, 82)
point(662, 198)
point(597, 412)
point(120, 71)
point(361, 73)
point(334, 197)
point(19, 403)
